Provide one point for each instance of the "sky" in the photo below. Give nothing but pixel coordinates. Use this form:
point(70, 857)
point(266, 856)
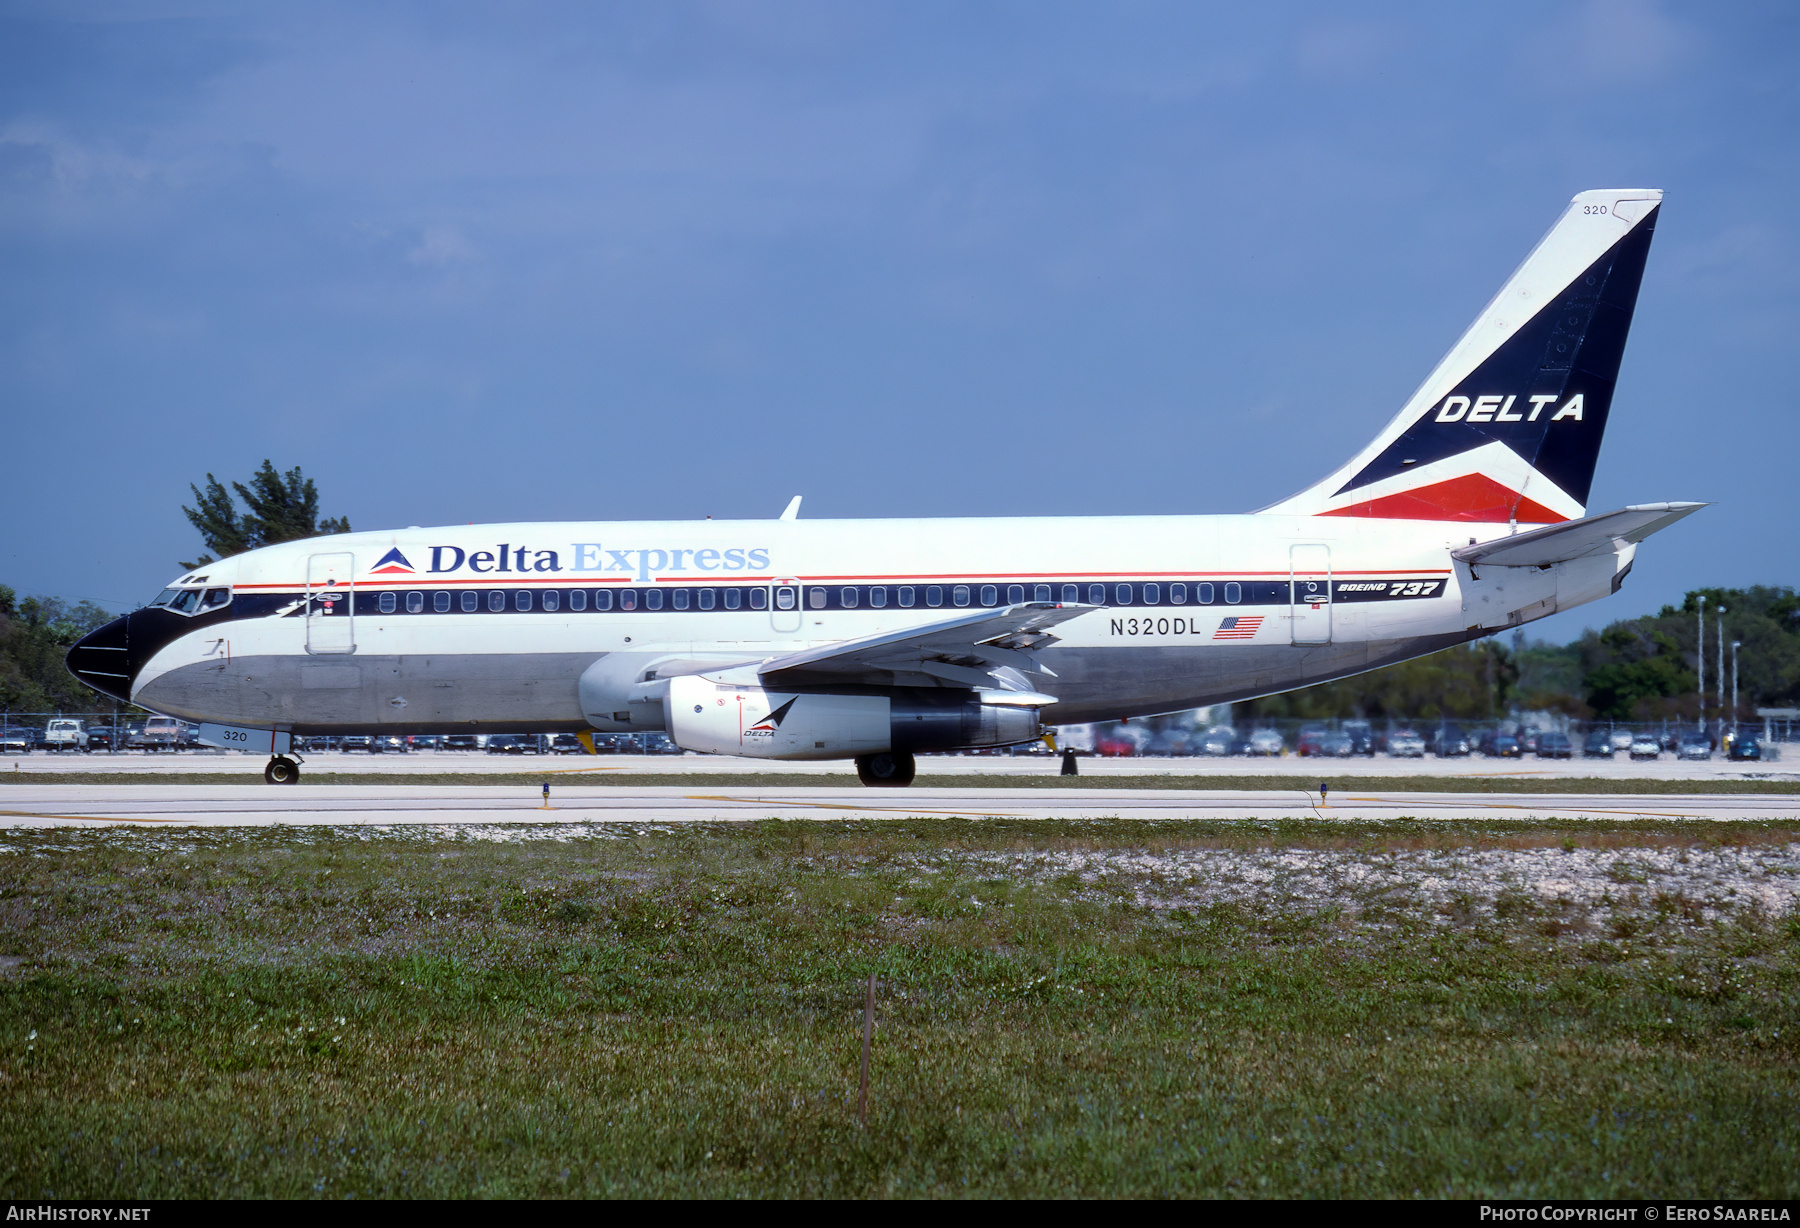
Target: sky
point(468, 262)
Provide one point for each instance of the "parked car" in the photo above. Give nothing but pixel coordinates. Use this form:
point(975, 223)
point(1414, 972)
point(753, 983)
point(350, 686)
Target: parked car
point(459, 741)
point(1336, 745)
point(1450, 741)
point(1407, 744)
point(157, 733)
point(1694, 746)
point(65, 733)
point(426, 741)
point(1598, 745)
point(102, 737)
point(1554, 744)
point(1500, 746)
point(1266, 743)
point(1362, 737)
point(1622, 739)
point(1745, 746)
point(1306, 744)
point(356, 741)
point(515, 744)
point(1646, 746)
point(1217, 740)
point(567, 744)
point(661, 744)
point(15, 740)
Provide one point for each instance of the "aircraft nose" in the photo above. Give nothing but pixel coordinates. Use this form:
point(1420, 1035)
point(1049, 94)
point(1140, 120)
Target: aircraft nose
point(102, 659)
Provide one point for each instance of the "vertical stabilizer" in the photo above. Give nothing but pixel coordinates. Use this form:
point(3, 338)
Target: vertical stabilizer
point(1508, 427)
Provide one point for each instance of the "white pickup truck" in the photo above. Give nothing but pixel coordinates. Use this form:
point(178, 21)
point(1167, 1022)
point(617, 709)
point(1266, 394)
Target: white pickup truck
point(64, 733)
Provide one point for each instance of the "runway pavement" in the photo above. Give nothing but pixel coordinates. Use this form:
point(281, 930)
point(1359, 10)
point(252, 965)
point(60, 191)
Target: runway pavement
point(89, 806)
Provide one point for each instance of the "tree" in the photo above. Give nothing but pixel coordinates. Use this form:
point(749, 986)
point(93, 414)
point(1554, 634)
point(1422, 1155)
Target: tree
point(282, 507)
point(35, 635)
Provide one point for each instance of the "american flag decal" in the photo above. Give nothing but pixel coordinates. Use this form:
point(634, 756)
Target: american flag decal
point(1238, 627)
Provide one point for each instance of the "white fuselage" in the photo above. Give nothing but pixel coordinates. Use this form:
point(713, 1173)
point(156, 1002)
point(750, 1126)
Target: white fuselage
point(428, 630)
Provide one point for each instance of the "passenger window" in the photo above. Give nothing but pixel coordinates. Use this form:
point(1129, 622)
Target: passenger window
point(990, 595)
point(1042, 593)
point(1177, 594)
point(471, 602)
point(679, 598)
point(1234, 593)
point(653, 599)
point(1152, 594)
point(960, 594)
point(1015, 593)
point(603, 599)
point(1096, 594)
point(934, 596)
point(551, 601)
point(734, 598)
point(1203, 593)
point(1072, 593)
point(578, 599)
point(440, 601)
point(1122, 594)
point(705, 598)
point(877, 597)
point(496, 600)
point(387, 602)
point(906, 596)
point(759, 599)
point(415, 603)
point(628, 599)
point(815, 597)
point(522, 599)
point(784, 597)
point(847, 596)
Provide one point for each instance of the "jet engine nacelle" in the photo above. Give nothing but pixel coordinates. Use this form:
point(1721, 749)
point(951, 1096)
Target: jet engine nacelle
point(720, 719)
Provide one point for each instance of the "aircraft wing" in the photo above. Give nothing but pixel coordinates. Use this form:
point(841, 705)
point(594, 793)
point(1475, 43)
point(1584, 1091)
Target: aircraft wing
point(1559, 543)
point(989, 649)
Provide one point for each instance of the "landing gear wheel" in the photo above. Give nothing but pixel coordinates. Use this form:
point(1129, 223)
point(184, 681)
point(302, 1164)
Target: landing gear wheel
point(892, 770)
point(281, 771)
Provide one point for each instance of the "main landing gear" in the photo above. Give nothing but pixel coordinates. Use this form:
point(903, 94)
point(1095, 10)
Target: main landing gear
point(281, 771)
point(891, 769)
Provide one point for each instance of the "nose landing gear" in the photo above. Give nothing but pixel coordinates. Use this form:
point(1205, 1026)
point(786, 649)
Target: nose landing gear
point(281, 771)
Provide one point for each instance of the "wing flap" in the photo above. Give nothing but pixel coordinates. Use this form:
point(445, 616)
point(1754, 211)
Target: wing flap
point(975, 650)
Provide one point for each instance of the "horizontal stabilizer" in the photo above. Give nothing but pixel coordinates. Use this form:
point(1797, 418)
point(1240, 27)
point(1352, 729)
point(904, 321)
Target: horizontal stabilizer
point(971, 650)
point(1559, 543)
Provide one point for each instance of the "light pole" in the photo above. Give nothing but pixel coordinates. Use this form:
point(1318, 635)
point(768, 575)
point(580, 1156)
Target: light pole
point(1734, 709)
point(1700, 659)
point(1719, 626)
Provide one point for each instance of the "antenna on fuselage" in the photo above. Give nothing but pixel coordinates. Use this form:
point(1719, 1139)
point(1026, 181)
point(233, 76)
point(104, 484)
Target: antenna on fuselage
point(793, 509)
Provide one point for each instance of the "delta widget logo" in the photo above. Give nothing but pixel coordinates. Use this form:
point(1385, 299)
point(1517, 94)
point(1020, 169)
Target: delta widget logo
point(393, 563)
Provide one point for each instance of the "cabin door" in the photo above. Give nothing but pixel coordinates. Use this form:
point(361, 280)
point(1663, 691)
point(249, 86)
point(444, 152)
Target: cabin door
point(1309, 570)
point(331, 604)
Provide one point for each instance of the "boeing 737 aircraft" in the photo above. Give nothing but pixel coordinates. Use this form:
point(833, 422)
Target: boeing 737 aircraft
point(877, 639)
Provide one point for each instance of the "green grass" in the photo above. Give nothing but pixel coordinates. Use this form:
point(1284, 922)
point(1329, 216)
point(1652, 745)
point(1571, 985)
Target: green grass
point(1047, 779)
point(1066, 1008)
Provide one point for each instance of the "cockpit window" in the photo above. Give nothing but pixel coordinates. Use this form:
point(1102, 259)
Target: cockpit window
point(216, 597)
point(166, 596)
point(186, 602)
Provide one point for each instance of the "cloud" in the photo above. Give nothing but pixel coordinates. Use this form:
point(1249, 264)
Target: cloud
point(439, 246)
point(1627, 40)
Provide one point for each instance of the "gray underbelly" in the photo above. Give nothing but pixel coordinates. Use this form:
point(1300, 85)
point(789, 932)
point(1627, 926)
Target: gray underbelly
point(515, 692)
